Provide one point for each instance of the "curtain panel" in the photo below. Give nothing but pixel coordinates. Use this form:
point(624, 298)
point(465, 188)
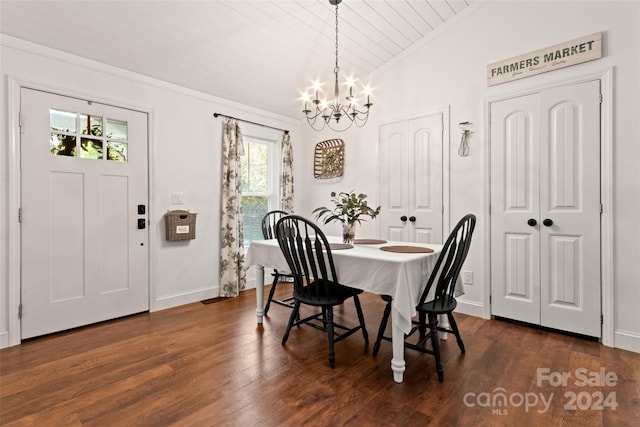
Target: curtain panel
point(286, 181)
point(232, 275)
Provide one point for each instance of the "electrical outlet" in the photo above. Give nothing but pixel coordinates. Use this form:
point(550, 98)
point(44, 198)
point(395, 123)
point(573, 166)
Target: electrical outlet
point(467, 277)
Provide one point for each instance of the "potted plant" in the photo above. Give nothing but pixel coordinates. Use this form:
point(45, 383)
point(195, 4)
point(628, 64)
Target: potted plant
point(348, 210)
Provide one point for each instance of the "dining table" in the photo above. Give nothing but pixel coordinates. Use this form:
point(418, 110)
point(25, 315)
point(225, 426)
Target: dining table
point(396, 269)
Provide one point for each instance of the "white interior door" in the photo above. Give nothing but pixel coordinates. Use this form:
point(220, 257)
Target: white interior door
point(411, 181)
point(515, 194)
point(84, 191)
point(570, 179)
point(545, 208)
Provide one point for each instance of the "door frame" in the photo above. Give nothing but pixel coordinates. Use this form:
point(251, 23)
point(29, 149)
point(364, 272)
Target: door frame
point(446, 162)
point(15, 85)
point(605, 76)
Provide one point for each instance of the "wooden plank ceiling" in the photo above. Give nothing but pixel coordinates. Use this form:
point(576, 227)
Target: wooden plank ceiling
point(263, 53)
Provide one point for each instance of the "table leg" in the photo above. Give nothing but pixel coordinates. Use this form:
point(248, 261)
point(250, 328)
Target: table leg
point(398, 365)
point(259, 292)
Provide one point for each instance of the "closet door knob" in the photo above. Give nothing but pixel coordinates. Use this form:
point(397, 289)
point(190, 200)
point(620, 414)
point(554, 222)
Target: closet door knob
point(532, 222)
point(547, 222)
point(403, 218)
point(412, 218)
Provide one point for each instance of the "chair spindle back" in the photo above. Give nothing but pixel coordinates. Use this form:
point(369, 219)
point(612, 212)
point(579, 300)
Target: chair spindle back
point(269, 222)
point(449, 263)
point(308, 255)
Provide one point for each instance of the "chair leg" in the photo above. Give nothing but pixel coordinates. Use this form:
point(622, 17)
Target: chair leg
point(329, 318)
point(324, 318)
point(365, 334)
point(292, 319)
point(433, 325)
point(456, 332)
point(271, 292)
point(383, 325)
point(422, 324)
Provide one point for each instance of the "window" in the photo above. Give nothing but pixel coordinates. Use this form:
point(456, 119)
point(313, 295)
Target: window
point(69, 127)
point(260, 172)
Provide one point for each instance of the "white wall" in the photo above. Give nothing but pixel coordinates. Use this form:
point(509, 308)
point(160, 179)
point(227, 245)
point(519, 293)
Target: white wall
point(449, 70)
point(360, 173)
point(185, 147)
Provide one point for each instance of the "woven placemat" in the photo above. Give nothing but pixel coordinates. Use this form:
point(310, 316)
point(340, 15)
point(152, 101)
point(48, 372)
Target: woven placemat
point(369, 242)
point(338, 246)
point(407, 249)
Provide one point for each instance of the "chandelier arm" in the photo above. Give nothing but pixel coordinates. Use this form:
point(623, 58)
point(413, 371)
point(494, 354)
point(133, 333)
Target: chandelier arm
point(317, 113)
point(317, 129)
point(366, 112)
point(312, 122)
point(349, 111)
point(341, 129)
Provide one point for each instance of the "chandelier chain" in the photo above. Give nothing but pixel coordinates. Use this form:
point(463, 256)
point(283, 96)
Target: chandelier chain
point(337, 67)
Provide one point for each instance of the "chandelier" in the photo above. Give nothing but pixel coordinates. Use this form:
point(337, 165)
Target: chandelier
point(330, 113)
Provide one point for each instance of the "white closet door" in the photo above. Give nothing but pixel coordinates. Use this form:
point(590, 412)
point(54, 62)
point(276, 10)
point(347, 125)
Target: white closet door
point(570, 180)
point(411, 193)
point(545, 208)
point(515, 245)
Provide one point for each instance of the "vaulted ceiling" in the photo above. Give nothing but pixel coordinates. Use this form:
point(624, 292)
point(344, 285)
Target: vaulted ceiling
point(262, 53)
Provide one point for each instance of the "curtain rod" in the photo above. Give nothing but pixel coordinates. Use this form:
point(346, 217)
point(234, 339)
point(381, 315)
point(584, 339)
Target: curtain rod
point(247, 121)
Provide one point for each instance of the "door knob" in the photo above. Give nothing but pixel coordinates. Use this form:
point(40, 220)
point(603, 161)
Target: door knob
point(547, 222)
point(403, 218)
point(412, 218)
point(532, 222)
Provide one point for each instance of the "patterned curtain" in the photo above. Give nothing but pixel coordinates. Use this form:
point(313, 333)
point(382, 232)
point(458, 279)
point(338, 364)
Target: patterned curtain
point(232, 275)
point(286, 183)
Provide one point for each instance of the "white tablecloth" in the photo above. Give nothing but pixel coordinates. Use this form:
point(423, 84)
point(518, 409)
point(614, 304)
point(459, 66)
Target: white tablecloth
point(366, 267)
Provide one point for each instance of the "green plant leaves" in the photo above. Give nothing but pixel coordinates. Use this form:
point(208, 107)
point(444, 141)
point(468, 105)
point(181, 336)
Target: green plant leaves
point(349, 207)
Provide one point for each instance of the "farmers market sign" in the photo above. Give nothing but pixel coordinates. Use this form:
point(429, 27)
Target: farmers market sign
point(562, 55)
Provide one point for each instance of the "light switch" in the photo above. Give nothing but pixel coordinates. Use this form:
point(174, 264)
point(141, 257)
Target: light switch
point(177, 198)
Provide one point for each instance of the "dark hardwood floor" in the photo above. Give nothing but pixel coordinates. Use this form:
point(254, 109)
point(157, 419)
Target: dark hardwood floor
point(212, 365)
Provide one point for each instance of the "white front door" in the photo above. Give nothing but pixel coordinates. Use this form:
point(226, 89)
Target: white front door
point(84, 210)
point(545, 208)
point(411, 190)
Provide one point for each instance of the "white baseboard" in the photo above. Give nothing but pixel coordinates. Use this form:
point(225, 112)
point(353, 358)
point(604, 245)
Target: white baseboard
point(251, 284)
point(4, 339)
point(176, 300)
point(626, 340)
point(470, 308)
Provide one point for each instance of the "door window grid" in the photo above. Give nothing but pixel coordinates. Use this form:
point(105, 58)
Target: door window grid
point(67, 128)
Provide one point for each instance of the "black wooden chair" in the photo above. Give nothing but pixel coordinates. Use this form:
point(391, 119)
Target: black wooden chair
point(315, 283)
point(269, 232)
point(443, 278)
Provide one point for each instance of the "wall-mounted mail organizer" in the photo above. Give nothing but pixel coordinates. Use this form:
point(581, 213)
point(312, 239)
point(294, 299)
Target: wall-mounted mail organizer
point(180, 225)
